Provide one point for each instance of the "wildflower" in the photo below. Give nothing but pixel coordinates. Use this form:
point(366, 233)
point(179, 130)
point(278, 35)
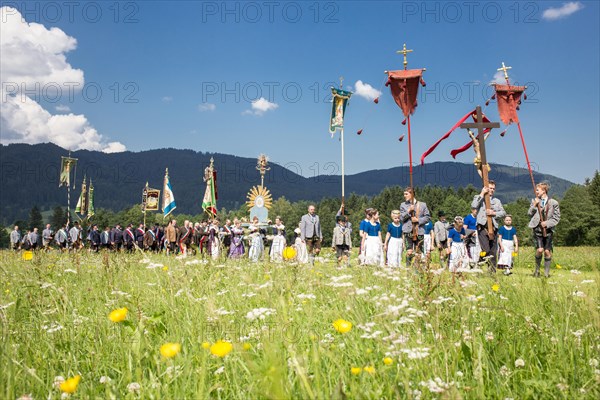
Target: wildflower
point(504, 371)
point(134, 387)
point(105, 379)
point(165, 268)
point(26, 397)
point(495, 287)
point(70, 385)
point(519, 363)
point(221, 348)
point(58, 380)
point(593, 362)
point(489, 336)
point(369, 369)
point(558, 266)
point(355, 370)
point(118, 315)
point(27, 255)
point(205, 345)
point(388, 361)
point(342, 326)
point(247, 346)
point(514, 253)
point(170, 350)
point(482, 254)
point(220, 370)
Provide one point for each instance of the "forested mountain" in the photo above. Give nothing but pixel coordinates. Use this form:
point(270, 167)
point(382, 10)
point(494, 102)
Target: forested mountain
point(30, 173)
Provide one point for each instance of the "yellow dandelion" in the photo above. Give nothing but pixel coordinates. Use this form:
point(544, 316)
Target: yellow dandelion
point(165, 268)
point(482, 254)
point(388, 361)
point(355, 370)
point(369, 351)
point(205, 345)
point(170, 350)
point(514, 253)
point(118, 315)
point(27, 255)
point(369, 369)
point(342, 326)
point(70, 385)
point(495, 287)
point(247, 346)
point(221, 348)
point(558, 266)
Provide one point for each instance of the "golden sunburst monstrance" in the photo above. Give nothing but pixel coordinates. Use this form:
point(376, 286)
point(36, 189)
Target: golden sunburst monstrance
point(259, 197)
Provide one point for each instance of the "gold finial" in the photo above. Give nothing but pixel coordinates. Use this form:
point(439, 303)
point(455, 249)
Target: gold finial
point(505, 69)
point(262, 167)
point(404, 52)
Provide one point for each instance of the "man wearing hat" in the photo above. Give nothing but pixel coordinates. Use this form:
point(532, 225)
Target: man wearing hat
point(440, 230)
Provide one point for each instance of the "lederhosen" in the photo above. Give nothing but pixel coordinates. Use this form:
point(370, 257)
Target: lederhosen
point(539, 241)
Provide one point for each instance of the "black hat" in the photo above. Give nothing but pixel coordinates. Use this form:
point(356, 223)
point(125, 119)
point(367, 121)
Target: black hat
point(441, 213)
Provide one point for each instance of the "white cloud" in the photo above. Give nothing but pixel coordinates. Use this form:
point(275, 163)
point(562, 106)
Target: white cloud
point(261, 106)
point(62, 108)
point(206, 107)
point(565, 10)
point(366, 91)
point(167, 99)
point(498, 78)
point(34, 60)
point(24, 120)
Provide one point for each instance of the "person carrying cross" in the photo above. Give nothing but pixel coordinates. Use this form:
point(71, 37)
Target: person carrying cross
point(487, 241)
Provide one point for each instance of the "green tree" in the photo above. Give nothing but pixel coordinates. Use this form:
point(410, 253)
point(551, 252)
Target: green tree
point(580, 218)
point(35, 219)
point(453, 206)
point(518, 209)
point(594, 189)
point(4, 237)
point(58, 218)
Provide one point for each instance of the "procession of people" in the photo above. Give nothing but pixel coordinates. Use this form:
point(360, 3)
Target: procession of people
point(409, 240)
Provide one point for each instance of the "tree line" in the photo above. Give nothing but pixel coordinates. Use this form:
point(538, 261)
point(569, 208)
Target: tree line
point(579, 225)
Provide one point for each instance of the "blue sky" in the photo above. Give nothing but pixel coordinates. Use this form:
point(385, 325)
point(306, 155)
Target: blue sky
point(184, 75)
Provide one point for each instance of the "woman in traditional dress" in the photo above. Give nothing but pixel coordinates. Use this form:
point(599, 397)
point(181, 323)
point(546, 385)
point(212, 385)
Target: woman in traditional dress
point(237, 243)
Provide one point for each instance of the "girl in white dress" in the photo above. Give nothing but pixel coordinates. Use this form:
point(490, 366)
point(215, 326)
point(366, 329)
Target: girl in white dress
point(394, 243)
point(279, 241)
point(301, 250)
point(373, 247)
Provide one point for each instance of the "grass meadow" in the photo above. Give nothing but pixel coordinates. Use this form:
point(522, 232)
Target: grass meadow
point(411, 336)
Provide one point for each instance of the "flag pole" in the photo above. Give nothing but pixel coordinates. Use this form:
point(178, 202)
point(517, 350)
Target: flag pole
point(145, 204)
point(410, 166)
point(69, 196)
point(343, 170)
point(505, 70)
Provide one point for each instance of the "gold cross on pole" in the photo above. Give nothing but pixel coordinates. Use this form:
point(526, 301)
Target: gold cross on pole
point(505, 69)
point(341, 82)
point(404, 52)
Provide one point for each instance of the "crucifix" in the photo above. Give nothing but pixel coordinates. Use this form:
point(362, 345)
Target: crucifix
point(404, 52)
point(481, 127)
point(505, 69)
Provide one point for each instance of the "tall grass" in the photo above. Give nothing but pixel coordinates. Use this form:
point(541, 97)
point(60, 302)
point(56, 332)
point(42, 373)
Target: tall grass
point(475, 336)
